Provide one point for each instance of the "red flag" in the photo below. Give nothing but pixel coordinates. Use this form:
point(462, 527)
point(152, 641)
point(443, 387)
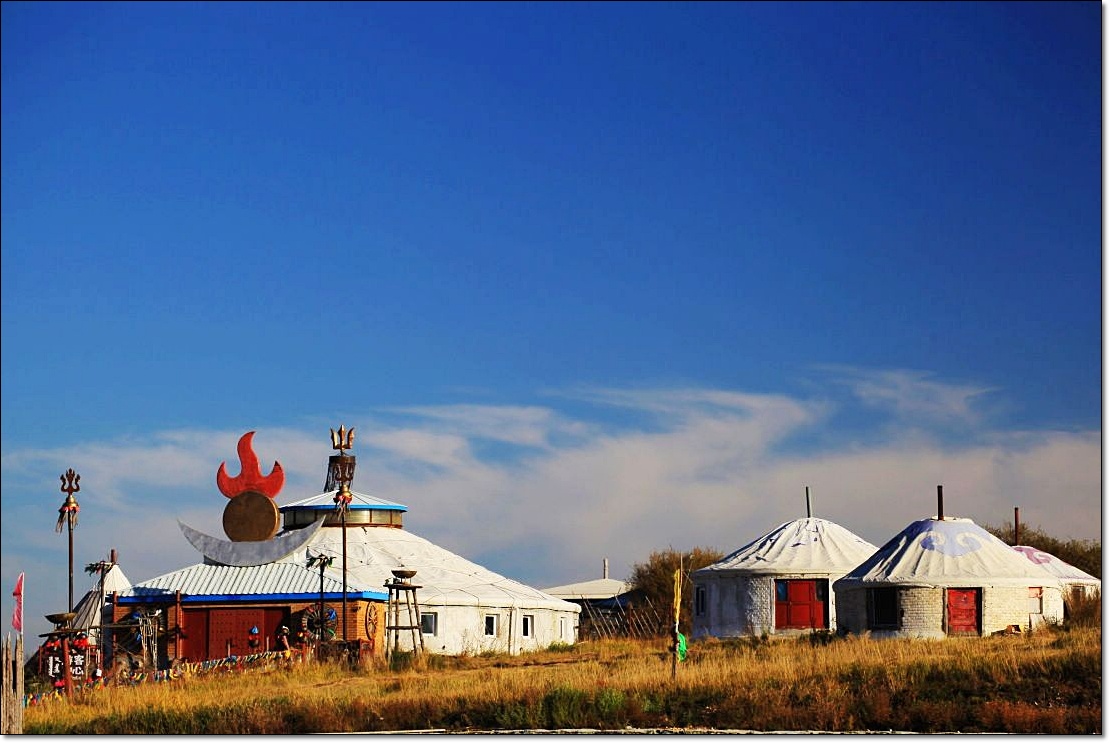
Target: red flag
point(17, 615)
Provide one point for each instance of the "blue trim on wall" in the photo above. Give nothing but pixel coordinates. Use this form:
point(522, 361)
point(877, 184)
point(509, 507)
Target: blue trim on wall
point(161, 596)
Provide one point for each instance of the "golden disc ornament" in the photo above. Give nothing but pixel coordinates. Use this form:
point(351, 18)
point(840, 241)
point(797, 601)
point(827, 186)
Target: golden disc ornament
point(251, 517)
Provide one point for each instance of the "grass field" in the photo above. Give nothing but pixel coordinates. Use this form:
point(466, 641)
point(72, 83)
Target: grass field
point(1045, 682)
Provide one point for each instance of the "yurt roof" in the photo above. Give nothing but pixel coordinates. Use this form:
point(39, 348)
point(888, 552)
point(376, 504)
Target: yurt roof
point(445, 579)
point(285, 579)
point(600, 588)
point(949, 552)
point(808, 545)
point(1065, 571)
point(359, 502)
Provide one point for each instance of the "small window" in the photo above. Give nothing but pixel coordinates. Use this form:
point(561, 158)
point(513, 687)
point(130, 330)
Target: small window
point(528, 627)
point(780, 590)
point(429, 622)
point(491, 625)
point(822, 590)
point(562, 628)
point(883, 605)
point(1036, 600)
point(699, 601)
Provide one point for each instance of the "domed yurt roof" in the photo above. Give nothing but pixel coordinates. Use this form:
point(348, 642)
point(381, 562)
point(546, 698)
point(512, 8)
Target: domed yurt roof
point(948, 552)
point(809, 545)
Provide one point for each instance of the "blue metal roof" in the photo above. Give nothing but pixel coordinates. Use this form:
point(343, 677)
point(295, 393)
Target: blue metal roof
point(286, 581)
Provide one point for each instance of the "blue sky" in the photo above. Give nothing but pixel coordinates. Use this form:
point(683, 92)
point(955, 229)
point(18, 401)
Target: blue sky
point(589, 279)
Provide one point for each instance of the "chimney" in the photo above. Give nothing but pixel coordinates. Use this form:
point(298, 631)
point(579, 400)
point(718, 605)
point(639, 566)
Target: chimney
point(809, 506)
point(112, 556)
point(605, 567)
point(1017, 527)
point(940, 503)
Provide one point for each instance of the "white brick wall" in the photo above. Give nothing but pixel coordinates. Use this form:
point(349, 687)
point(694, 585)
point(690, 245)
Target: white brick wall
point(921, 610)
point(740, 605)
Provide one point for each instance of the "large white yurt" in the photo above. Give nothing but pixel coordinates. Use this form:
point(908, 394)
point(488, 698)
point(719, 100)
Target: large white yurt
point(946, 576)
point(1077, 583)
point(779, 583)
point(464, 607)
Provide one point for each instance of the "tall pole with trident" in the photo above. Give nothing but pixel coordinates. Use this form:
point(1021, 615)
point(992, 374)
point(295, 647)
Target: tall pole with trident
point(343, 472)
point(71, 483)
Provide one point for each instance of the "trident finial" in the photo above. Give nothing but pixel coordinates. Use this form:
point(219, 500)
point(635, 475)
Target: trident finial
point(71, 482)
point(343, 440)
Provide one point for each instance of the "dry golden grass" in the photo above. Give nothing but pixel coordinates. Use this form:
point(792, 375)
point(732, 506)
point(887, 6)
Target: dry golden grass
point(1048, 681)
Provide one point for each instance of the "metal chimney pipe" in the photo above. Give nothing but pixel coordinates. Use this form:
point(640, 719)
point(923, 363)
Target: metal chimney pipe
point(605, 567)
point(940, 503)
point(1017, 526)
point(809, 505)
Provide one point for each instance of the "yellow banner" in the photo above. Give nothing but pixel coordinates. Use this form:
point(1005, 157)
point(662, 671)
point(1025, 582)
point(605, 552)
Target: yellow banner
point(677, 594)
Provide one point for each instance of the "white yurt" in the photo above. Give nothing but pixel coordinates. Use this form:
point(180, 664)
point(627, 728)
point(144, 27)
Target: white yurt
point(946, 576)
point(778, 584)
point(464, 607)
point(1077, 583)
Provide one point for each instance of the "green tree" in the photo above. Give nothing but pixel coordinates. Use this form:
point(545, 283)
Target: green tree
point(654, 582)
point(1085, 554)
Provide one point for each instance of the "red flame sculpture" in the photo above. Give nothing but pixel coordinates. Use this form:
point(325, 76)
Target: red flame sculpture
point(250, 478)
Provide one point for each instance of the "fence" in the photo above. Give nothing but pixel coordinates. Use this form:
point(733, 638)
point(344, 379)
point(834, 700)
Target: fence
point(11, 678)
point(637, 619)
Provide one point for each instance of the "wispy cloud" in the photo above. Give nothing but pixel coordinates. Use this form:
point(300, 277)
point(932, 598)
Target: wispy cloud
point(911, 395)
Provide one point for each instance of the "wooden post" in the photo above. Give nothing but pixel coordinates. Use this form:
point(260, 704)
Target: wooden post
point(11, 678)
point(65, 666)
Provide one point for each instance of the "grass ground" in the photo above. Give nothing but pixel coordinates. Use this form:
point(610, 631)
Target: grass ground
point(1046, 682)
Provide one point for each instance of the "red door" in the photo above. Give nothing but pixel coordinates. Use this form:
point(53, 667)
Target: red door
point(963, 611)
point(211, 633)
point(800, 604)
point(194, 634)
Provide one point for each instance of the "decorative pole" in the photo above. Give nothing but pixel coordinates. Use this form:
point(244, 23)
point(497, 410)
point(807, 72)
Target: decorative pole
point(67, 514)
point(343, 472)
point(321, 562)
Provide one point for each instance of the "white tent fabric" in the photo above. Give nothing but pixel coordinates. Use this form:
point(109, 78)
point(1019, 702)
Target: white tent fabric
point(90, 609)
point(808, 545)
point(1066, 572)
point(952, 552)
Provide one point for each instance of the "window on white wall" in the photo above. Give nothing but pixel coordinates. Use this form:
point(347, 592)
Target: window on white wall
point(699, 601)
point(429, 622)
point(528, 626)
point(491, 625)
point(562, 628)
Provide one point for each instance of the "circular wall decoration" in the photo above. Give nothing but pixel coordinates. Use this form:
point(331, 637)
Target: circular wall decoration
point(311, 623)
